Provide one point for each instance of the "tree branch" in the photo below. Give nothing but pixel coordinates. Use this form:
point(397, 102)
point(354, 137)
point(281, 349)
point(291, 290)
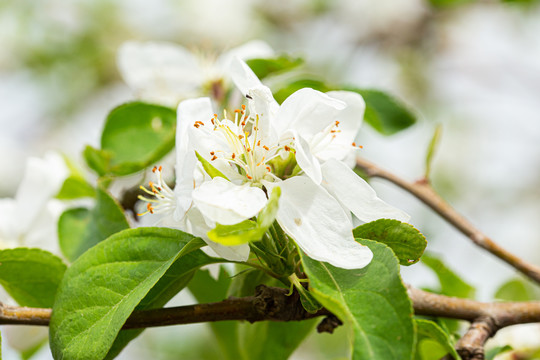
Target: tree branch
point(273, 304)
point(425, 192)
point(471, 345)
point(270, 303)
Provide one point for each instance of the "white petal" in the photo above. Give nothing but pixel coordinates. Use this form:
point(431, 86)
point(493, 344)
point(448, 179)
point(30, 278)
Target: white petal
point(250, 50)
point(42, 181)
point(305, 159)
point(263, 105)
point(159, 71)
point(356, 194)
point(25, 338)
point(188, 113)
point(199, 227)
point(319, 225)
point(231, 253)
point(9, 230)
point(226, 203)
point(350, 120)
point(307, 111)
point(244, 78)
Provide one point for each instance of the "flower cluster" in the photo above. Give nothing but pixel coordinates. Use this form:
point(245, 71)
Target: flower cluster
point(228, 165)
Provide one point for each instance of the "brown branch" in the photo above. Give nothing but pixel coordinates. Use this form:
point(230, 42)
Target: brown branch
point(471, 345)
point(269, 303)
point(486, 318)
point(15, 315)
point(273, 304)
point(424, 192)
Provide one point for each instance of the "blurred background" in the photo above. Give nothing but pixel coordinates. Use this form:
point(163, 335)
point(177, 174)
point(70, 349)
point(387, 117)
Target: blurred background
point(471, 66)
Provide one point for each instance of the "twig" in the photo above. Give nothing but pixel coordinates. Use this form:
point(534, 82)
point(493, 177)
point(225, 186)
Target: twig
point(424, 192)
point(486, 318)
point(471, 345)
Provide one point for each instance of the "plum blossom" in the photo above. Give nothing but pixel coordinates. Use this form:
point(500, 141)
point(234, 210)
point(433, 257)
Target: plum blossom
point(299, 147)
point(166, 73)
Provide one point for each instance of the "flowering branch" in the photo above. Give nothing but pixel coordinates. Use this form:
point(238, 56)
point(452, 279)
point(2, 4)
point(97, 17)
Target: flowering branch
point(423, 190)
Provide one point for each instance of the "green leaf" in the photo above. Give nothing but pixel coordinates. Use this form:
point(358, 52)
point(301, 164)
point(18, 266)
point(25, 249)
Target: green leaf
point(279, 339)
point(517, 290)
point(104, 285)
point(209, 168)
point(97, 160)
point(433, 144)
point(237, 234)
point(207, 289)
point(75, 187)
point(270, 340)
point(372, 301)
point(385, 113)
point(29, 353)
point(175, 279)
point(308, 301)
point(406, 241)
point(491, 353)
point(267, 215)
point(79, 229)
point(246, 281)
point(451, 283)
point(264, 67)
point(31, 276)
point(428, 330)
point(135, 136)
point(248, 230)
point(281, 94)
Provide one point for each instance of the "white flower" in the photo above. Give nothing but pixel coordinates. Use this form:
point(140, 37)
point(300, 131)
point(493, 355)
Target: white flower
point(29, 219)
point(166, 73)
point(298, 146)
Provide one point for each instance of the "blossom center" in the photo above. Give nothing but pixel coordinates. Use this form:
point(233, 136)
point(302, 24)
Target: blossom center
point(163, 199)
point(247, 148)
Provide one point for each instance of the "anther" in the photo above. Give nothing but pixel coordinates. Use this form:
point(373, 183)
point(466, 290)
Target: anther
point(287, 148)
point(265, 147)
point(213, 158)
